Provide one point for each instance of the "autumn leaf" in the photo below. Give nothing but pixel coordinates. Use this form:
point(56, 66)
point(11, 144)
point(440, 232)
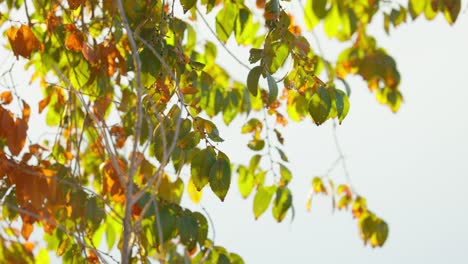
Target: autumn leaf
point(23, 41)
point(6, 97)
point(74, 4)
point(74, 42)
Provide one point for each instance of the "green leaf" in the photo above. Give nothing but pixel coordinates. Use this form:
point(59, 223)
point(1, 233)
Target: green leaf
point(255, 55)
point(319, 8)
point(416, 7)
point(320, 105)
point(201, 166)
point(220, 176)
point(342, 104)
point(286, 175)
point(94, 211)
point(282, 203)
point(168, 220)
point(187, 225)
point(226, 20)
point(254, 161)
point(252, 80)
point(273, 89)
point(256, 144)
point(245, 181)
point(311, 20)
point(282, 155)
point(262, 199)
point(202, 228)
point(381, 233)
point(251, 126)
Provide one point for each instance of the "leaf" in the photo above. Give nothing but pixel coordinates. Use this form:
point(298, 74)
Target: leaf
point(187, 225)
point(23, 41)
point(256, 144)
point(225, 21)
point(282, 203)
point(6, 97)
point(282, 155)
point(320, 105)
point(202, 227)
point(188, 4)
point(254, 161)
point(74, 42)
point(251, 126)
point(245, 181)
point(74, 4)
point(318, 186)
point(416, 7)
point(451, 10)
point(380, 235)
point(169, 223)
point(286, 175)
point(255, 55)
point(16, 138)
point(95, 211)
point(201, 166)
point(342, 104)
point(194, 194)
point(220, 176)
point(311, 20)
point(262, 199)
point(319, 8)
point(273, 89)
point(252, 79)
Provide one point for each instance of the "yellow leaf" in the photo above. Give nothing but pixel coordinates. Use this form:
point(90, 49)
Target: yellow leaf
point(194, 194)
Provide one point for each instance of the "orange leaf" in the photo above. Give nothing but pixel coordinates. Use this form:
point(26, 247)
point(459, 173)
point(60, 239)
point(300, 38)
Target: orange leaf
point(17, 136)
point(6, 122)
point(29, 246)
point(101, 105)
point(74, 42)
point(74, 4)
point(44, 103)
point(88, 53)
point(6, 97)
point(23, 41)
point(27, 229)
point(26, 111)
point(189, 90)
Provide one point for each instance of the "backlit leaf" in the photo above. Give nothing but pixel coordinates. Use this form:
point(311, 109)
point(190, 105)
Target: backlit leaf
point(188, 4)
point(282, 203)
point(262, 199)
point(320, 105)
point(220, 176)
point(201, 166)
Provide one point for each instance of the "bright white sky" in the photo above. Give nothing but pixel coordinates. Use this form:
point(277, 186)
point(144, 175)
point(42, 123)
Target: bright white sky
point(411, 166)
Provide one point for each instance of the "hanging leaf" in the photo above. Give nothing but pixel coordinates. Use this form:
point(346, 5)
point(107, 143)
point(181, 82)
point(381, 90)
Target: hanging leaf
point(187, 225)
point(220, 176)
point(201, 167)
point(23, 41)
point(286, 175)
point(320, 105)
point(6, 97)
point(262, 199)
point(194, 194)
point(252, 80)
point(226, 20)
point(245, 181)
point(188, 4)
point(273, 89)
point(282, 203)
point(342, 104)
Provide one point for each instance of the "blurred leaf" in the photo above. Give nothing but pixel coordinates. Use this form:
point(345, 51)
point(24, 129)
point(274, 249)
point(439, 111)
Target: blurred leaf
point(262, 199)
